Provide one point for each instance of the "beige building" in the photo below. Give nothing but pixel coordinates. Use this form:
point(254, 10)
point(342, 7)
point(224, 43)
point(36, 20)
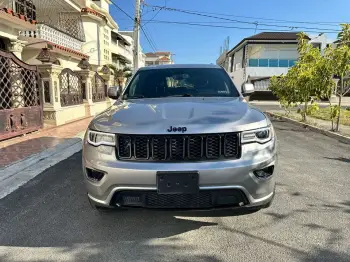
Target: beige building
point(53, 57)
point(159, 58)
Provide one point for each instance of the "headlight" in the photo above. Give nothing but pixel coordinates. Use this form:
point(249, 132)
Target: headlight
point(98, 138)
point(261, 135)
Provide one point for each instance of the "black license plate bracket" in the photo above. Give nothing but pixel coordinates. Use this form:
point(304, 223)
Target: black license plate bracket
point(178, 182)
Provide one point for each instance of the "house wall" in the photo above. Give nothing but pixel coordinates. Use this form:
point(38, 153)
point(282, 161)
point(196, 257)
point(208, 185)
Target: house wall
point(102, 3)
point(90, 47)
point(265, 71)
point(29, 57)
point(70, 113)
point(237, 60)
point(237, 78)
point(272, 51)
point(8, 32)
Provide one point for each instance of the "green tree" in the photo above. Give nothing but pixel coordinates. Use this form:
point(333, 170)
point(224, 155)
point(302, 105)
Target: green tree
point(311, 76)
point(340, 59)
point(120, 74)
point(281, 88)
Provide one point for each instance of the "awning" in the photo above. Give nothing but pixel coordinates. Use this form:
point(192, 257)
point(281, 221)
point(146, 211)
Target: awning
point(120, 37)
point(122, 58)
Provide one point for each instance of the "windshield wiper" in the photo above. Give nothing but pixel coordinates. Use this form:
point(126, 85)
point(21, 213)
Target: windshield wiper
point(182, 95)
point(135, 97)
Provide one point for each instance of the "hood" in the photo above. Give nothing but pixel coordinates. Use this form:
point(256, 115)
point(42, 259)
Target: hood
point(192, 114)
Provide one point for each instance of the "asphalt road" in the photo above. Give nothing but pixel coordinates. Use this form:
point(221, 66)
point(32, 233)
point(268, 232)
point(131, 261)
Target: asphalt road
point(49, 219)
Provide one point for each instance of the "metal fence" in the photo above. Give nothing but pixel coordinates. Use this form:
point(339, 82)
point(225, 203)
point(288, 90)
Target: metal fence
point(20, 97)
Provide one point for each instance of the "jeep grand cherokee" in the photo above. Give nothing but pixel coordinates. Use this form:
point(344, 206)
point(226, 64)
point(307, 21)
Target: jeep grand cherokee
point(180, 136)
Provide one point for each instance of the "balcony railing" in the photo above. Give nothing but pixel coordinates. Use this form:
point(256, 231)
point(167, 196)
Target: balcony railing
point(271, 62)
point(22, 7)
point(123, 50)
point(55, 36)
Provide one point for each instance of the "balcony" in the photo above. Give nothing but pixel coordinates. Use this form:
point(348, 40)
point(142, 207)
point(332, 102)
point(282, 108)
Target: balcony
point(48, 33)
point(19, 14)
point(58, 22)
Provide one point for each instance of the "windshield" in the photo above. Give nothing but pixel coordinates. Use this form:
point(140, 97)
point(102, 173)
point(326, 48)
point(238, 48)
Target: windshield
point(197, 82)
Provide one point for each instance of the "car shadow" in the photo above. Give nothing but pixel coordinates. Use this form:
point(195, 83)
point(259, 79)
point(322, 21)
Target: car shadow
point(341, 159)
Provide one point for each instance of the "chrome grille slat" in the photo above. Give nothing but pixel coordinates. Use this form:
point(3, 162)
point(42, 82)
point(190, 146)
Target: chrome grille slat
point(172, 148)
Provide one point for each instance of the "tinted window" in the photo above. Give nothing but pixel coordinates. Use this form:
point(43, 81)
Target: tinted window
point(200, 82)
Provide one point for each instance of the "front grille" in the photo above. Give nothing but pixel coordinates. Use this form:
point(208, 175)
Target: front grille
point(205, 199)
point(178, 147)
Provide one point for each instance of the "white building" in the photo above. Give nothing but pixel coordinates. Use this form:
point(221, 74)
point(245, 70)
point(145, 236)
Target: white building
point(258, 57)
point(53, 57)
point(159, 58)
point(128, 35)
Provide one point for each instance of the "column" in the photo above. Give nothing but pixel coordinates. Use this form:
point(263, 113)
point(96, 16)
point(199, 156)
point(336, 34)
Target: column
point(86, 78)
point(16, 47)
point(51, 93)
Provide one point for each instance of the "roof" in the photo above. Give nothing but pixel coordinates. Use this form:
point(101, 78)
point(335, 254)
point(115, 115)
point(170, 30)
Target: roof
point(92, 11)
point(151, 55)
point(179, 66)
point(270, 36)
point(275, 36)
point(164, 58)
point(155, 54)
point(162, 53)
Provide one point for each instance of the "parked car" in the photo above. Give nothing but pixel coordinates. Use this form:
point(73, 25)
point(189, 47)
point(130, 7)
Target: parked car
point(180, 136)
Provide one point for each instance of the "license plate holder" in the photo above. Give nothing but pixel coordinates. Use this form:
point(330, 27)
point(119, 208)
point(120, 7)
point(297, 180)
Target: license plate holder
point(178, 182)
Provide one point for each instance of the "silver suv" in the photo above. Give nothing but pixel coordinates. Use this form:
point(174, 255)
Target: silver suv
point(180, 136)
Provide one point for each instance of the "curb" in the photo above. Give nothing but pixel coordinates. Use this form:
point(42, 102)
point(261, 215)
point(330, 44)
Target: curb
point(20, 172)
point(331, 134)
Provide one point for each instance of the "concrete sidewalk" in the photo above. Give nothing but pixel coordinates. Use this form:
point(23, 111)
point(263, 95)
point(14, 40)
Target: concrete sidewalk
point(24, 157)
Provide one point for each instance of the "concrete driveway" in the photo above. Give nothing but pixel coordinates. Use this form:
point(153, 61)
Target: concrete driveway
point(49, 218)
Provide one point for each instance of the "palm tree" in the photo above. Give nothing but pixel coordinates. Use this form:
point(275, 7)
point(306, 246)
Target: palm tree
point(120, 74)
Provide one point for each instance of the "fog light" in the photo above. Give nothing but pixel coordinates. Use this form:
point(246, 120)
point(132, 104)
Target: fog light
point(264, 173)
point(94, 175)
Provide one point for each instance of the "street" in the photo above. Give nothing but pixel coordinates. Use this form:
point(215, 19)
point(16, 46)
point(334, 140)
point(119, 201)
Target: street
point(49, 218)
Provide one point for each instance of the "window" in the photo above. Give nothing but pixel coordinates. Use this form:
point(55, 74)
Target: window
point(292, 62)
point(253, 62)
point(273, 63)
point(197, 82)
point(263, 62)
point(283, 63)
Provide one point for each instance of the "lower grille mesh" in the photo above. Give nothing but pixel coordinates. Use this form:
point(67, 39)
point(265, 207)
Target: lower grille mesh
point(203, 200)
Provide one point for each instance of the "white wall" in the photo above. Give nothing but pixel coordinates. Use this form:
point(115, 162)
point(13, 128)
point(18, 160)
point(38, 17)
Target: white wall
point(90, 47)
point(237, 63)
point(29, 57)
point(272, 51)
point(102, 3)
point(237, 78)
point(8, 32)
point(265, 71)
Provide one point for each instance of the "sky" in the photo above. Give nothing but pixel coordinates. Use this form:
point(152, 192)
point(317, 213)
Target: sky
point(198, 44)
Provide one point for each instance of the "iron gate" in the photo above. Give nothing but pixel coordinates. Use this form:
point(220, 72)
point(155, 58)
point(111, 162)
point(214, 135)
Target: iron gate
point(98, 88)
point(70, 88)
point(21, 108)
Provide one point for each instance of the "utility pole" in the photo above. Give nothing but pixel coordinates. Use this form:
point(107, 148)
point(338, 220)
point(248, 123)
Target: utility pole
point(136, 35)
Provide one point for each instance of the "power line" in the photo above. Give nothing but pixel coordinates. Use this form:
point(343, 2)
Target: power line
point(269, 19)
point(150, 36)
point(160, 9)
point(122, 10)
point(198, 13)
point(154, 49)
point(223, 26)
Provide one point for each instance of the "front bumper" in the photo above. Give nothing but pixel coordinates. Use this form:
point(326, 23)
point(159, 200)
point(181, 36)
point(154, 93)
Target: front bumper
point(237, 174)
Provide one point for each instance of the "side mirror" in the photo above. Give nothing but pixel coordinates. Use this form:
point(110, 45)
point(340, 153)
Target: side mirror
point(247, 89)
point(113, 92)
